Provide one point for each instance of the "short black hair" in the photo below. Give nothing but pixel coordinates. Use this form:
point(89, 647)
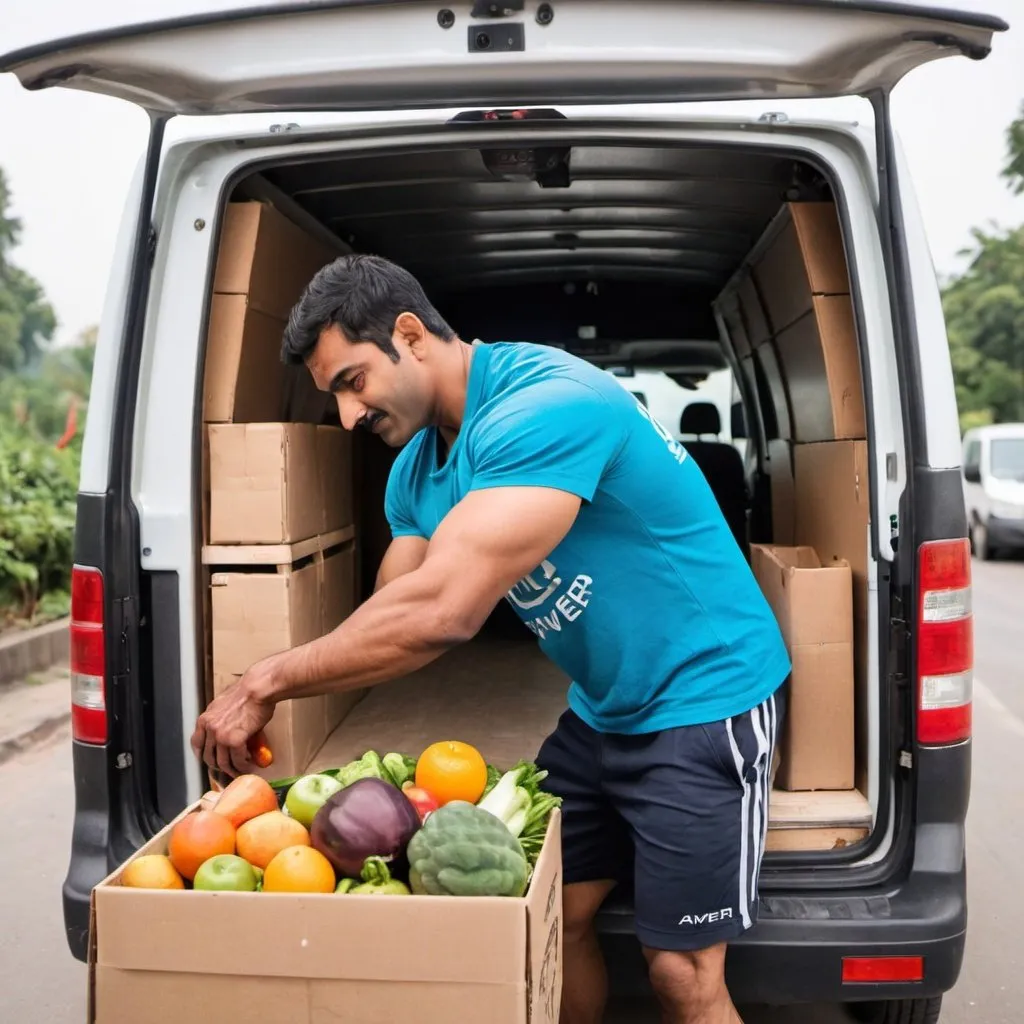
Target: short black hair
point(364, 295)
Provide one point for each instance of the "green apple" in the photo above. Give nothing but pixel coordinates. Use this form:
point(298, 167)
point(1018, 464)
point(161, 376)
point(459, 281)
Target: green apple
point(226, 872)
point(308, 794)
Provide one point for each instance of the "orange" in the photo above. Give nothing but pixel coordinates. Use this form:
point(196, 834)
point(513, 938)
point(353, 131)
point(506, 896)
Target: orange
point(151, 871)
point(262, 838)
point(299, 869)
point(198, 837)
point(451, 770)
point(245, 798)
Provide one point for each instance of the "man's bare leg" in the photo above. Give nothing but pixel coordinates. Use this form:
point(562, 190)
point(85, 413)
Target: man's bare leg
point(691, 986)
point(584, 979)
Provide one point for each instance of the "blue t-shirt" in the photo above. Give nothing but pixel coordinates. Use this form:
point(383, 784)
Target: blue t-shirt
point(647, 604)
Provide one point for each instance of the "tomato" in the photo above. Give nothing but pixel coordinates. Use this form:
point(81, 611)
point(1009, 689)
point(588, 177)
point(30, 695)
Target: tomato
point(420, 799)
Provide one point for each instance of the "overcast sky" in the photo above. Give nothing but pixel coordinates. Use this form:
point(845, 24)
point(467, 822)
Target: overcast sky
point(69, 156)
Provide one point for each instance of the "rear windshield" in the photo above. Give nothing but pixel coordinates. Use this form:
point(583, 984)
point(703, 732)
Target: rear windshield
point(1008, 458)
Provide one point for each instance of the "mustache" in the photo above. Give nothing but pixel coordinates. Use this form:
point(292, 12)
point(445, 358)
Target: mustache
point(370, 421)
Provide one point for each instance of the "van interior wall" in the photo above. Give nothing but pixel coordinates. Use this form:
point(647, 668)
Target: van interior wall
point(499, 691)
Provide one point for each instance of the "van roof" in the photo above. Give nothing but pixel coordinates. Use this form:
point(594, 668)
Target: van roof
point(996, 430)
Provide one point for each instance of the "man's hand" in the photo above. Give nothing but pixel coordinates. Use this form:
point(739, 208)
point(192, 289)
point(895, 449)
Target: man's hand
point(224, 729)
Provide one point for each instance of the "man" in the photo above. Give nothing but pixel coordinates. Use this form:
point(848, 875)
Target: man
point(528, 473)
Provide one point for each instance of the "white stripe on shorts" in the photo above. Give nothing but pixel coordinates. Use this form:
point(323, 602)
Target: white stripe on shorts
point(744, 826)
point(754, 805)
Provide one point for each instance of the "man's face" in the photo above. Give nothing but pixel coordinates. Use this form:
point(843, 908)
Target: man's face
point(391, 399)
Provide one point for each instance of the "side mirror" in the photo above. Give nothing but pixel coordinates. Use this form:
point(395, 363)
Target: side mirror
point(972, 473)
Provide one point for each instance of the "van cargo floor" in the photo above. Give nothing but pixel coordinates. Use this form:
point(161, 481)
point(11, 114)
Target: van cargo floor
point(504, 696)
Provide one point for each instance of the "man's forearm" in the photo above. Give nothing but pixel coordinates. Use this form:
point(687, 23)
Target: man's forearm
point(401, 628)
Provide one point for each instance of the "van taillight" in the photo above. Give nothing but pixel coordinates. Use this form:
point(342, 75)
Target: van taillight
point(87, 656)
point(945, 643)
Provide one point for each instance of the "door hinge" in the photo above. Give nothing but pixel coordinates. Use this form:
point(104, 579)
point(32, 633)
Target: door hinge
point(906, 759)
point(899, 636)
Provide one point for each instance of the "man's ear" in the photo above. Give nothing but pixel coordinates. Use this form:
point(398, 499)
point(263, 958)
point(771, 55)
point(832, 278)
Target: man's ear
point(409, 330)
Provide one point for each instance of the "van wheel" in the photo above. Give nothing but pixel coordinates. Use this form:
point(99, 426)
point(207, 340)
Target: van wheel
point(979, 543)
point(898, 1011)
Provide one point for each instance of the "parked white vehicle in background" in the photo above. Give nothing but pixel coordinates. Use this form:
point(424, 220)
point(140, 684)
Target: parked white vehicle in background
point(993, 472)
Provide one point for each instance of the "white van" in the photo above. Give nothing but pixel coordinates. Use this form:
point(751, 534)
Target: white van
point(653, 184)
point(993, 473)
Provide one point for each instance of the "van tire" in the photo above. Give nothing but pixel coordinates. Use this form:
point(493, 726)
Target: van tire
point(898, 1011)
point(979, 543)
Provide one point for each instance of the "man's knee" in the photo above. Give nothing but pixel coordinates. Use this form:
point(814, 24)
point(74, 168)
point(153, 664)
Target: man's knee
point(688, 979)
point(580, 904)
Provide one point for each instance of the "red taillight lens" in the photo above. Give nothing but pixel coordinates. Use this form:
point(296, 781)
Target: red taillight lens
point(87, 657)
point(945, 643)
point(874, 970)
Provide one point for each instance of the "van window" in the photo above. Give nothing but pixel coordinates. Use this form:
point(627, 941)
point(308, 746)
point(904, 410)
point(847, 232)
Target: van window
point(1008, 458)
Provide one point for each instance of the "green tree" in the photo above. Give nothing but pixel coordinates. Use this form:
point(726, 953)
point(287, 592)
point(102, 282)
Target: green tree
point(984, 308)
point(1013, 172)
point(27, 320)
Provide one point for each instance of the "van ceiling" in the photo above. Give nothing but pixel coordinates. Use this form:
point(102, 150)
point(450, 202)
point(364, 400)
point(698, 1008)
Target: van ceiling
point(635, 248)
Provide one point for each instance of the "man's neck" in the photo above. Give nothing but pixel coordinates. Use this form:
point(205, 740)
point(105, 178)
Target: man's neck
point(451, 406)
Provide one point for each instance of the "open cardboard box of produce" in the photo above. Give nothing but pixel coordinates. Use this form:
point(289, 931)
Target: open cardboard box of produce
point(157, 956)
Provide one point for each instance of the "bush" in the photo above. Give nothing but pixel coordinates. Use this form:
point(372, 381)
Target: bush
point(38, 486)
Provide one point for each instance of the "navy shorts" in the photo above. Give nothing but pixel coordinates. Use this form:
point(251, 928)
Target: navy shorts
point(678, 816)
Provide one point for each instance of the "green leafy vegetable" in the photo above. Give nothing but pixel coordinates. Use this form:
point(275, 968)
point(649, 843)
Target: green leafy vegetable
point(369, 766)
point(493, 777)
point(462, 850)
point(400, 768)
point(508, 801)
point(518, 800)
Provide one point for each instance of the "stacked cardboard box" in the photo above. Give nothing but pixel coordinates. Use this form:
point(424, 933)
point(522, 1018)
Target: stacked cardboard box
point(790, 317)
point(813, 605)
point(278, 508)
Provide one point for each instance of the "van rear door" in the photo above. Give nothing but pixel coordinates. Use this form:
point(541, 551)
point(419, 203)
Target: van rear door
point(368, 55)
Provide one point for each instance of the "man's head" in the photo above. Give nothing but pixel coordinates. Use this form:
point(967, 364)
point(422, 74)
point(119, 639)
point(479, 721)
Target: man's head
point(368, 334)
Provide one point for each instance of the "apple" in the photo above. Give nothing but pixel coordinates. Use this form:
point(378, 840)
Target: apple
point(226, 872)
point(307, 795)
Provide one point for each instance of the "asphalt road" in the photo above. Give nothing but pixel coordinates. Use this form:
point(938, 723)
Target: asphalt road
point(41, 984)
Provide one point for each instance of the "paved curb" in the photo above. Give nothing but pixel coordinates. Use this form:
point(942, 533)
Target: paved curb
point(39, 732)
point(33, 650)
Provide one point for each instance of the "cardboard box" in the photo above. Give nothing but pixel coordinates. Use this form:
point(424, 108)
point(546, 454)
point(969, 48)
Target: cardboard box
point(335, 482)
point(831, 486)
point(257, 614)
point(814, 607)
point(243, 379)
point(274, 483)
point(339, 601)
point(321, 958)
point(822, 345)
point(266, 258)
point(803, 257)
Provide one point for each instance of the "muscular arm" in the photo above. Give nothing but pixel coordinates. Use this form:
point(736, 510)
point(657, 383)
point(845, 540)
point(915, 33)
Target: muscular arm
point(489, 541)
point(404, 555)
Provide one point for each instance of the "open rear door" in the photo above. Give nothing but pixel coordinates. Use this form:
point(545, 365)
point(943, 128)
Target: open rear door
point(372, 55)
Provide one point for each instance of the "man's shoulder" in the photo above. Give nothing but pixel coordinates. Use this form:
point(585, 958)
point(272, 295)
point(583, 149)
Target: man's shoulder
point(540, 378)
